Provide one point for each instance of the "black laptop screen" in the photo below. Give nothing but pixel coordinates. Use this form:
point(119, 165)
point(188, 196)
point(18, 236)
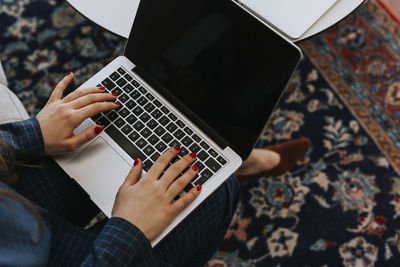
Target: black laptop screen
point(217, 60)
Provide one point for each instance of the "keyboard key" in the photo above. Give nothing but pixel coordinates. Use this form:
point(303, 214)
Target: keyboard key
point(150, 96)
point(112, 115)
point(212, 152)
point(119, 122)
point(127, 129)
point(188, 187)
point(135, 83)
point(152, 124)
point(149, 107)
point(164, 120)
point(149, 150)
point(138, 126)
point(97, 116)
point(124, 143)
point(204, 145)
point(145, 132)
point(147, 165)
point(157, 103)
point(141, 143)
point(195, 148)
point(156, 114)
point(135, 94)
point(128, 77)
point(142, 101)
point(153, 139)
point(121, 71)
point(130, 104)
point(183, 152)
point(213, 165)
point(203, 155)
point(174, 143)
point(134, 136)
point(108, 84)
point(187, 141)
point(188, 131)
point(159, 131)
point(155, 156)
point(128, 88)
point(204, 176)
point(137, 111)
point(131, 119)
point(142, 90)
point(115, 76)
point(196, 138)
point(201, 165)
point(123, 98)
point(124, 112)
point(179, 134)
point(145, 117)
point(221, 160)
point(117, 91)
point(172, 127)
point(161, 147)
point(121, 82)
point(172, 117)
point(180, 124)
point(165, 110)
point(102, 121)
point(167, 138)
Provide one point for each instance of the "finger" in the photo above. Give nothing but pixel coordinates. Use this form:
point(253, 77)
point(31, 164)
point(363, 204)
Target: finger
point(91, 98)
point(77, 141)
point(175, 169)
point(59, 90)
point(134, 173)
point(162, 162)
point(93, 109)
point(82, 92)
point(179, 184)
point(186, 199)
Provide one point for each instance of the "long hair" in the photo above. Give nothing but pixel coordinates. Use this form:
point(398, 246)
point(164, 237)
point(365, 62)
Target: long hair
point(8, 176)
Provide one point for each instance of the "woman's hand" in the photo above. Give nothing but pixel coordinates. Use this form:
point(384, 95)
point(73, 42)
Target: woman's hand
point(148, 203)
point(61, 116)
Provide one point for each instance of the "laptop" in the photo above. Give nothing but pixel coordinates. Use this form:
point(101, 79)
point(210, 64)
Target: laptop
point(202, 74)
point(291, 17)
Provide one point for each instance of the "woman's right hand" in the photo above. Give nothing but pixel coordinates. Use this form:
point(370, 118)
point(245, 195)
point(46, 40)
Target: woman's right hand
point(148, 203)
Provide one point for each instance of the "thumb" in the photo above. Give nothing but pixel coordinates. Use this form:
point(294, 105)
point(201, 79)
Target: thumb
point(85, 136)
point(134, 173)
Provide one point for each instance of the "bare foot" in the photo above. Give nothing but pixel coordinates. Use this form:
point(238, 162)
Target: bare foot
point(260, 160)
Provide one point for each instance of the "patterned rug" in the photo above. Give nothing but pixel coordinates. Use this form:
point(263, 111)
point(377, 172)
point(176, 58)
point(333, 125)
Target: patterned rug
point(340, 206)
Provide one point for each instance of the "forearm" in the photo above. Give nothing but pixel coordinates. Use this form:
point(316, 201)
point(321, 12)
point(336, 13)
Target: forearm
point(24, 137)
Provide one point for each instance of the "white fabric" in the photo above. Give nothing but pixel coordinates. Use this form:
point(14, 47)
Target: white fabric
point(3, 79)
point(11, 109)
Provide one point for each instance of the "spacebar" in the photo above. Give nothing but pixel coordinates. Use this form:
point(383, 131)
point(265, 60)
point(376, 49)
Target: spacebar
point(124, 143)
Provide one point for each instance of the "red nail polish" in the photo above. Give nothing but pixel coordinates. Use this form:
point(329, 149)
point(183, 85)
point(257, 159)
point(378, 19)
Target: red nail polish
point(117, 103)
point(136, 162)
point(193, 155)
point(69, 73)
point(102, 88)
point(198, 188)
point(177, 148)
point(195, 167)
point(114, 94)
point(98, 129)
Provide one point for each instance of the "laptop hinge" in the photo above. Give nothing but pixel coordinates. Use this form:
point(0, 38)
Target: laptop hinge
point(221, 142)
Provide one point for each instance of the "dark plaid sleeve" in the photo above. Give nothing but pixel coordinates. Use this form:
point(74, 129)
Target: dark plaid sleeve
point(25, 137)
point(120, 243)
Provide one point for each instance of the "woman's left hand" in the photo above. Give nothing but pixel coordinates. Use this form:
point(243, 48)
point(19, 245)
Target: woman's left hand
point(60, 116)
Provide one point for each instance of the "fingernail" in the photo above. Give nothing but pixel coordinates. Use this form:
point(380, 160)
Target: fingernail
point(177, 148)
point(69, 73)
point(195, 167)
point(114, 94)
point(198, 188)
point(136, 162)
point(102, 88)
point(98, 129)
point(117, 103)
point(193, 155)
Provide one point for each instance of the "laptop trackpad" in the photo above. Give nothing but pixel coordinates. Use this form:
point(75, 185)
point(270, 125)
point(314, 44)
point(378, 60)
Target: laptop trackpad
point(100, 170)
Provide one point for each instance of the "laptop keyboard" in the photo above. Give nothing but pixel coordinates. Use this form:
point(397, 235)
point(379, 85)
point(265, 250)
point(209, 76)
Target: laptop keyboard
point(145, 128)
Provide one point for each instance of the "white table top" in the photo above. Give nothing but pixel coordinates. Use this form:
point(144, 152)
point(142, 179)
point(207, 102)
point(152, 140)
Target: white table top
point(117, 16)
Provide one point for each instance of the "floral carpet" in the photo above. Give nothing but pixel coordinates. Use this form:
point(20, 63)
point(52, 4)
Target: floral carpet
point(340, 206)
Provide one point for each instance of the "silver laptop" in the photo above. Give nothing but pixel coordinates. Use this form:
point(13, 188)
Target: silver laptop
point(204, 74)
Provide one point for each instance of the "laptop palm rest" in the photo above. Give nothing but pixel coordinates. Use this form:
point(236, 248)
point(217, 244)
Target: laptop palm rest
point(100, 170)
